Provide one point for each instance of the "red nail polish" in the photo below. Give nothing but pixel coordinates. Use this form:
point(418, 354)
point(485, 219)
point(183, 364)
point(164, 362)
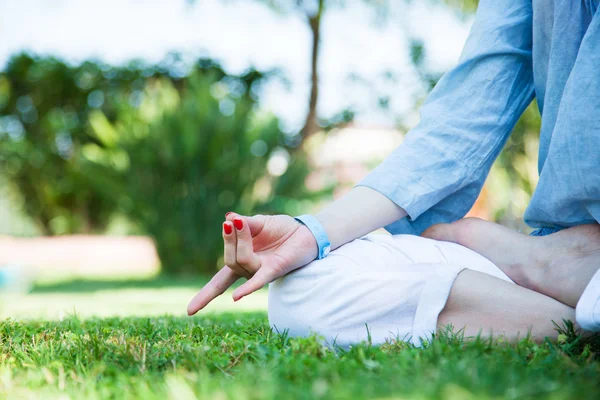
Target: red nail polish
point(227, 228)
point(239, 224)
point(227, 213)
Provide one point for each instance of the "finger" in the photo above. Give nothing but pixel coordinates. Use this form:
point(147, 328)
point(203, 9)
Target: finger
point(230, 249)
point(245, 255)
point(231, 215)
point(260, 279)
point(217, 285)
point(255, 222)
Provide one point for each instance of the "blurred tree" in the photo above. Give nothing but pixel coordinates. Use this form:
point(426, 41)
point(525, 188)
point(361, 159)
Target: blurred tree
point(172, 150)
point(189, 151)
point(44, 106)
point(314, 21)
point(466, 7)
point(313, 12)
point(515, 174)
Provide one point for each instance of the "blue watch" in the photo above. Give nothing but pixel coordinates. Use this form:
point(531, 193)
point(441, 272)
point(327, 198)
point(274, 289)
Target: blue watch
point(318, 232)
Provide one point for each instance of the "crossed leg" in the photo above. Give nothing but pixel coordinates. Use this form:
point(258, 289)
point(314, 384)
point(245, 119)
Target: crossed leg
point(485, 305)
point(559, 265)
point(400, 287)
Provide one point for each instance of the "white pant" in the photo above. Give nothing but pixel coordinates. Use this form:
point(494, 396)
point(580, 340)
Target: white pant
point(388, 287)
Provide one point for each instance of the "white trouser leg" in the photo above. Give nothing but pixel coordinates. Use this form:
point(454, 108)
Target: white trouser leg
point(380, 286)
point(588, 307)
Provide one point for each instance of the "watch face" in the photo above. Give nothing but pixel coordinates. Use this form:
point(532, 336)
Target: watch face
point(326, 250)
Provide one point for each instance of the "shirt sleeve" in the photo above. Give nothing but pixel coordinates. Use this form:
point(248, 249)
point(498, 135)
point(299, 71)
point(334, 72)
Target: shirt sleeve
point(568, 191)
point(436, 174)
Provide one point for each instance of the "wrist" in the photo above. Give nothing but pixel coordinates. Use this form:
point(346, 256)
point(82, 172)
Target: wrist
point(358, 212)
point(307, 241)
point(318, 232)
point(329, 227)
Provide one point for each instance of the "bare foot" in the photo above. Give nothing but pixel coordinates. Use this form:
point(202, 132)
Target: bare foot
point(559, 265)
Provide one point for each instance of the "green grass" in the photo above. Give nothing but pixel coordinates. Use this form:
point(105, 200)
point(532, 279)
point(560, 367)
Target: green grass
point(122, 298)
point(225, 355)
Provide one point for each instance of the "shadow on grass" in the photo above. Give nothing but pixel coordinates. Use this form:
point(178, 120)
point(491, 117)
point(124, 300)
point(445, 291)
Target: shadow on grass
point(87, 285)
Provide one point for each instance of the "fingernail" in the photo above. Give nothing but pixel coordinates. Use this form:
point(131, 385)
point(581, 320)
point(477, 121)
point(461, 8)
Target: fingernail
point(227, 228)
point(227, 213)
point(239, 224)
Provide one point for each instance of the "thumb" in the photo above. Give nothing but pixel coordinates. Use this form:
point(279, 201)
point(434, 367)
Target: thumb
point(260, 279)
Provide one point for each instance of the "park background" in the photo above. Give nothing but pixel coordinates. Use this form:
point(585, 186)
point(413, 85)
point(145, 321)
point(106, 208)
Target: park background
point(145, 122)
point(128, 129)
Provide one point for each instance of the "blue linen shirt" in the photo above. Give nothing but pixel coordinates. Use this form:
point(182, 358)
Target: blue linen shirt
point(516, 50)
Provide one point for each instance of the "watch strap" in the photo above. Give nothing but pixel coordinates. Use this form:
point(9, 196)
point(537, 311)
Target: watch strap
point(318, 231)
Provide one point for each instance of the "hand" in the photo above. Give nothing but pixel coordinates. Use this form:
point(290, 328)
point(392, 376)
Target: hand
point(260, 248)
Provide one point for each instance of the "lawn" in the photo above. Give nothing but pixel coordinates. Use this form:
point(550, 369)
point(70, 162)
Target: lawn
point(225, 354)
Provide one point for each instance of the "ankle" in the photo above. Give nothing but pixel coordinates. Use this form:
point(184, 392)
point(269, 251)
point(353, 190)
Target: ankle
point(529, 270)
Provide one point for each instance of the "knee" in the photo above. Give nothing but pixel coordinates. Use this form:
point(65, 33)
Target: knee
point(292, 310)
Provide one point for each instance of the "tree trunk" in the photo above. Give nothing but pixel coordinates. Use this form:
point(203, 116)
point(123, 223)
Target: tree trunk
point(311, 125)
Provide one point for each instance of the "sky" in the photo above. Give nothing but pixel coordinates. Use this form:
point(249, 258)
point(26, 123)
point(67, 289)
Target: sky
point(244, 33)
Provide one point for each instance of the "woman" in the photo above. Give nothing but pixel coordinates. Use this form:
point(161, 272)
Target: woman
point(516, 50)
point(379, 287)
point(383, 287)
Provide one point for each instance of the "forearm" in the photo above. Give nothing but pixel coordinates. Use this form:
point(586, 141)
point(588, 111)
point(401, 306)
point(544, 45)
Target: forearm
point(360, 211)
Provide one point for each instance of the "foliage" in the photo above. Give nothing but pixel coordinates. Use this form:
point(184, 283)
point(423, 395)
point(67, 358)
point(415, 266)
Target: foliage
point(237, 356)
point(313, 12)
point(44, 109)
point(465, 6)
point(184, 157)
point(515, 174)
point(171, 150)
